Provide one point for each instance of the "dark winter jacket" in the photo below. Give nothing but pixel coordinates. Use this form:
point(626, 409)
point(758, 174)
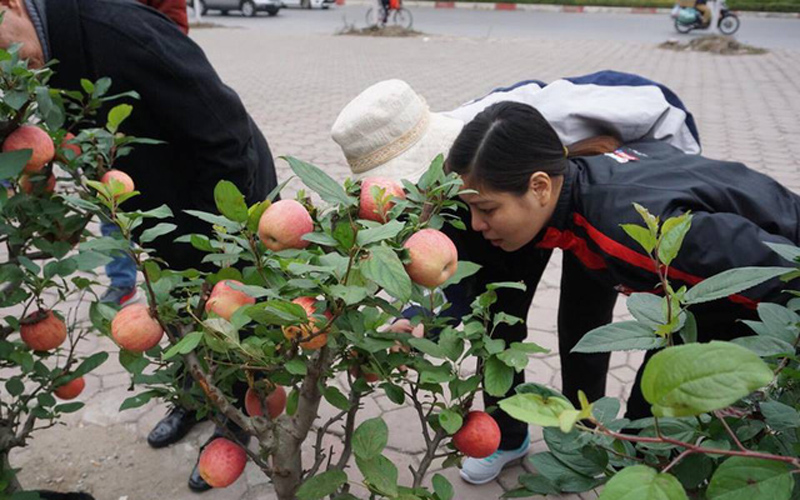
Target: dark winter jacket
point(734, 211)
point(208, 134)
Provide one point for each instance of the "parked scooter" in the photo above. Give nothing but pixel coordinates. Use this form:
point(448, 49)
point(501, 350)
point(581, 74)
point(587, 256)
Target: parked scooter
point(689, 18)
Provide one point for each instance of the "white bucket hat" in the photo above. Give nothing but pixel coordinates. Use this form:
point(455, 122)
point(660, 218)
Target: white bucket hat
point(389, 131)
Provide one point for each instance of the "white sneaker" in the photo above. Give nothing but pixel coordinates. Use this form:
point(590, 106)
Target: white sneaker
point(483, 470)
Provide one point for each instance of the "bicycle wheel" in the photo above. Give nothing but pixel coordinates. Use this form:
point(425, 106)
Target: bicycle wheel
point(374, 17)
point(402, 17)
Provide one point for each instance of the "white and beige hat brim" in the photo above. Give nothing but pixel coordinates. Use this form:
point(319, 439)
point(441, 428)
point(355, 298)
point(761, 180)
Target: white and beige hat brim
point(389, 131)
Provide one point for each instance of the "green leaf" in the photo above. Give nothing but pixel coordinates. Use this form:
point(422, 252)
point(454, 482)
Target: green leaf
point(15, 387)
point(68, 407)
point(464, 270)
point(515, 359)
point(185, 345)
point(743, 478)
point(154, 232)
point(562, 476)
point(450, 421)
point(12, 163)
point(201, 242)
point(138, 400)
point(731, 282)
point(335, 397)
point(214, 219)
point(292, 401)
point(230, 201)
point(379, 233)
point(427, 346)
point(321, 485)
point(647, 308)
point(87, 85)
point(319, 182)
point(498, 377)
point(780, 321)
point(370, 438)
point(394, 393)
point(380, 473)
point(529, 348)
point(780, 417)
point(765, 346)
point(698, 378)
point(88, 365)
point(586, 460)
point(296, 367)
point(349, 294)
point(117, 115)
point(435, 172)
point(442, 487)
point(672, 233)
point(254, 214)
point(641, 235)
point(536, 409)
point(640, 482)
point(788, 252)
point(385, 268)
point(620, 336)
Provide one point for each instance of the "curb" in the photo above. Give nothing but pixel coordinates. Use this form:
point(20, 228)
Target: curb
point(572, 9)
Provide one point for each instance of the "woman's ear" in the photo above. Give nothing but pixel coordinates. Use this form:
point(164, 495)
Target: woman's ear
point(541, 186)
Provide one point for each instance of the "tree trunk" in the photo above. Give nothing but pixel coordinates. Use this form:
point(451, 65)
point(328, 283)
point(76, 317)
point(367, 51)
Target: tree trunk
point(5, 471)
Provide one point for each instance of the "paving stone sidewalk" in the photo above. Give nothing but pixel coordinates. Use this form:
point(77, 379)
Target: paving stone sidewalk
point(746, 108)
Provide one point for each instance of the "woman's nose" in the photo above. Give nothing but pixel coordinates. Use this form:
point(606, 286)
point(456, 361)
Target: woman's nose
point(478, 224)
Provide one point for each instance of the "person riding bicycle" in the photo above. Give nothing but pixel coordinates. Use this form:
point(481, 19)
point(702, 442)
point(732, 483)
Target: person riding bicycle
point(386, 6)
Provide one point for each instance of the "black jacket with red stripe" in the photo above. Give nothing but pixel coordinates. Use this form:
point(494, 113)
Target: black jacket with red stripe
point(735, 210)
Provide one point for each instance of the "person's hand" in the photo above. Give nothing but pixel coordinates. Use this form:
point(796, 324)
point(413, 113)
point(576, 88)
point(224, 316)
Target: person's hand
point(404, 326)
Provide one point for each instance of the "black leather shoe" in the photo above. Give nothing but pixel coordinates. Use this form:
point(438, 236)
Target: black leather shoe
point(170, 429)
point(196, 481)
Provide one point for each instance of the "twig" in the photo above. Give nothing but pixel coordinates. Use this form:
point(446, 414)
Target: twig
point(730, 432)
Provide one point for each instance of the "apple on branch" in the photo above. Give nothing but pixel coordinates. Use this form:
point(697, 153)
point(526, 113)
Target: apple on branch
point(375, 200)
point(43, 331)
point(434, 258)
point(283, 225)
point(309, 329)
point(35, 139)
point(135, 330)
point(225, 300)
point(479, 436)
point(221, 463)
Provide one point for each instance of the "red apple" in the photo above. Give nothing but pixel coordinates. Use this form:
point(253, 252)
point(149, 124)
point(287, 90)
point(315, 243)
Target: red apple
point(479, 436)
point(305, 331)
point(71, 390)
point(27, 186)
point(65, 146)
point(135, 330)
point(434, 258)
point(275, 402)
point(43, 331)
point(224, 300)
point(283, 225)
point(373, 208)
point(31, 137)
point(221, 463)
point(119, 176)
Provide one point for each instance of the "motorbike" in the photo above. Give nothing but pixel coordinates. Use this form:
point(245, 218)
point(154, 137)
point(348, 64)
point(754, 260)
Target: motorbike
point(689, 18)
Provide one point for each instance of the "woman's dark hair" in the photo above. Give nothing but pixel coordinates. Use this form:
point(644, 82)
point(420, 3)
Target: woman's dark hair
point(503, 145)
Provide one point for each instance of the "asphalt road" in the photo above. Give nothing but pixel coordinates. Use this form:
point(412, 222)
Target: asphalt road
point(771, 33)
